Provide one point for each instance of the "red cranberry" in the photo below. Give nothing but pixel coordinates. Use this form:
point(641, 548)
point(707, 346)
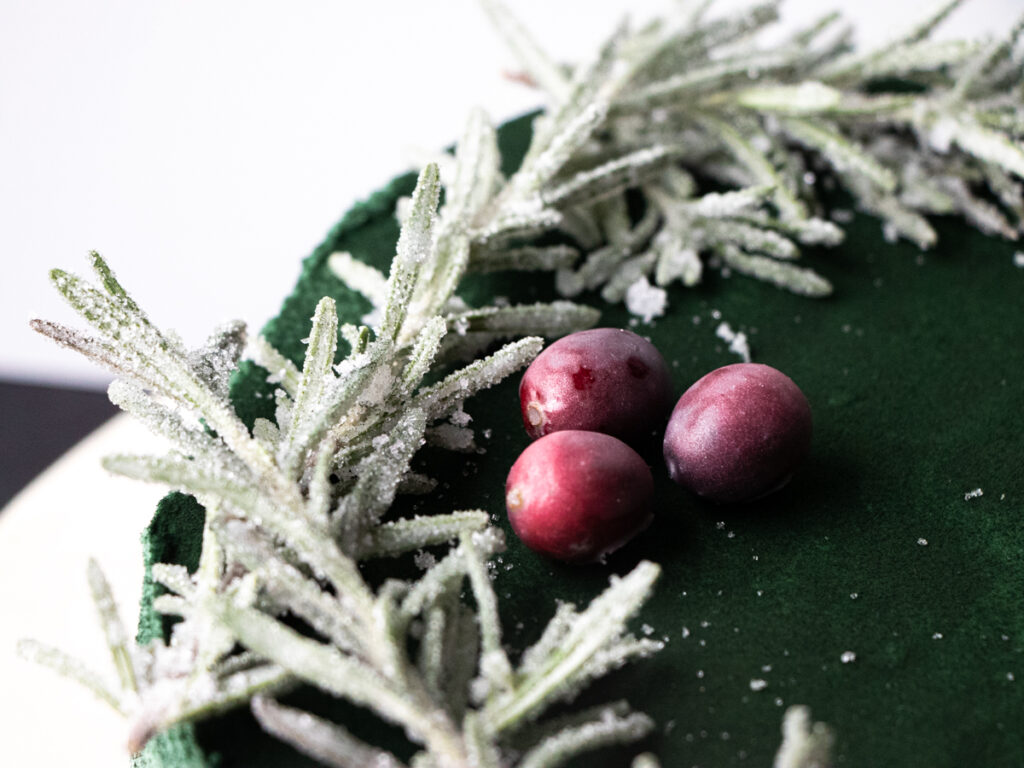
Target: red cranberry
point(603, 380)
point(577, 496)
point(738, 433)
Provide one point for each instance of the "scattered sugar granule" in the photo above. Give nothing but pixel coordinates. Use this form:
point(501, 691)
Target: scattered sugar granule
point(645, 300)
point(923, 542)
point(757, 684)
point(973, 494)
point(1018, 259)
point(1009, 676)
point(686, 632)
point(937, 636)
point(647, 629)
point(737, 341)
point(460, 418)
point(848, 657)
point(424, 560)
point(854, 595)
point(940, 137)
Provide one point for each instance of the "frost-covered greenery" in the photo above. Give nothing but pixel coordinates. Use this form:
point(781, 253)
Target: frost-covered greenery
point(912, 128)
point(293, 505)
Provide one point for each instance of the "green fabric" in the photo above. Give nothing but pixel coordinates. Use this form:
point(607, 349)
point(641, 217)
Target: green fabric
point(915, 373)
point(175, 535)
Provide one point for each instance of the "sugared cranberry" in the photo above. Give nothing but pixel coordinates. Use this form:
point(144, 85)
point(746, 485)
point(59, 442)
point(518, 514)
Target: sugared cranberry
point(739, 433)
point(603, 380)
point(577, 496)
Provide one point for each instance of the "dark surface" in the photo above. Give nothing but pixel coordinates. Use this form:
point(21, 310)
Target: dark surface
point(38, 424)
point(914, 372)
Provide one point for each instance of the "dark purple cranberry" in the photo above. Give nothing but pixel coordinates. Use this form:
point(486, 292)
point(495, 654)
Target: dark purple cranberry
point(738, 433)
point(577, 496)
point(603, 380)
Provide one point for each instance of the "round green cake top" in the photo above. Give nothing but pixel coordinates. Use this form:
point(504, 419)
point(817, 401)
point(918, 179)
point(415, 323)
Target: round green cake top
point(882, 587)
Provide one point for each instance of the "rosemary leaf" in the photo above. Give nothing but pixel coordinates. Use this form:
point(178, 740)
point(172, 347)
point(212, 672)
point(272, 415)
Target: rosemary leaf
point(399, 536)
point(317, 738)
point(608, 729)
point(72, 668)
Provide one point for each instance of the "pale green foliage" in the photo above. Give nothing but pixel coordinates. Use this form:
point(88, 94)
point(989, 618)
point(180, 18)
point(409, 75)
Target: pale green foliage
point(326, 742)
point(295, 504)
point(698, 92)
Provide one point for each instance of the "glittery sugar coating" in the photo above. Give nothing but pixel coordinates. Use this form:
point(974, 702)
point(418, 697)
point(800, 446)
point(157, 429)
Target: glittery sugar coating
point(576, 496)
point(738, 433)
point(603, 380)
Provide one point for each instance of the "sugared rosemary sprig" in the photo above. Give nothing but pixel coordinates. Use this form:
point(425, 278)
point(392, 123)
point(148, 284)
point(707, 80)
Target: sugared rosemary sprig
point(912, 128)
point(295, 504)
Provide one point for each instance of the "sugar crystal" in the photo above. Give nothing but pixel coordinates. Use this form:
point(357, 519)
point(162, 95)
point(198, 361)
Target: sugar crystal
point(645, 300)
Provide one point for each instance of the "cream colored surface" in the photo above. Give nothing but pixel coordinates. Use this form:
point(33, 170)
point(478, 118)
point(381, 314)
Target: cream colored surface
point(70, 513)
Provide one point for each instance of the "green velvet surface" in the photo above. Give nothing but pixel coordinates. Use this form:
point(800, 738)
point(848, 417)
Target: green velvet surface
point(915, 373)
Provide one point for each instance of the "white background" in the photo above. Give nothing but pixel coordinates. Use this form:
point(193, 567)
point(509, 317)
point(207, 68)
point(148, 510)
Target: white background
point(205, 147)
